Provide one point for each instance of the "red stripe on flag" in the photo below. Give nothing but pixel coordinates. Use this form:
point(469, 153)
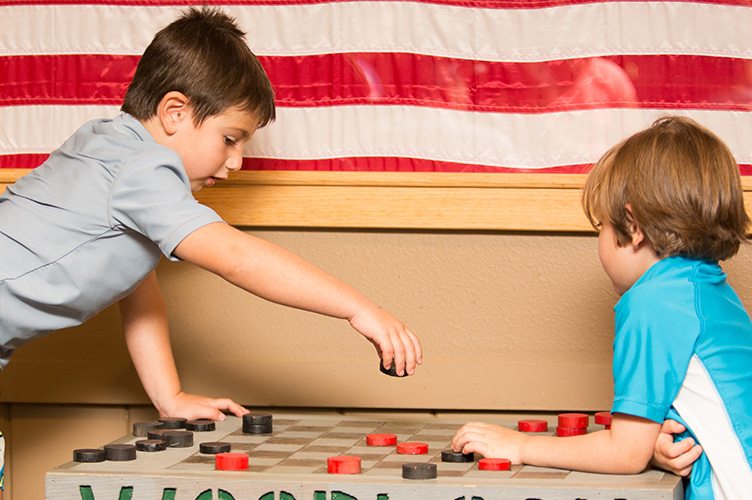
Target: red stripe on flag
point(28, 160)
point(394, 164)
point(357, 164)
point(658, 81)
point(65, 79)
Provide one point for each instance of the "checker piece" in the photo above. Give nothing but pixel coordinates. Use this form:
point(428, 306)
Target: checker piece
point(120, 452)
point(381, 439)
point(231, 461)
point(151, 445)
point(419, 471)
point(343, 464)
point(457, 456)
point(214, 447)
point(88, 455)
point(494, 464)
point(412, 448)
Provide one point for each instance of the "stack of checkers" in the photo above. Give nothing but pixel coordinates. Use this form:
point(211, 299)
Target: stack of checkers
point(174, 433)
point(603, 418)
point(572, 424)
point(257, 423)
point(532, 426)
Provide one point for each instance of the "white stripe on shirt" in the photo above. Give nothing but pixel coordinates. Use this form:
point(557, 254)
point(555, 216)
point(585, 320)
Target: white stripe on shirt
point(702, 409)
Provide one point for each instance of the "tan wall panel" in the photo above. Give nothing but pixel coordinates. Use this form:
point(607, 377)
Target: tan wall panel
point(508, 322)
point(44, 436)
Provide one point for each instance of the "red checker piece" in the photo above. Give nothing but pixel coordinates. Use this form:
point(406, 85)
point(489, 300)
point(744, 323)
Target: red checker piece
point(494, 464)
point(381, 439)
point(532, 426)
point(570, 431)
point(343, 464)
point(412, 448)
point(573, 420)
point(603, 418)
point(231, 461)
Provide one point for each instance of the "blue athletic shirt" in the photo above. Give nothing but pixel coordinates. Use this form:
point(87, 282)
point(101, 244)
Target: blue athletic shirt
point(683, 350)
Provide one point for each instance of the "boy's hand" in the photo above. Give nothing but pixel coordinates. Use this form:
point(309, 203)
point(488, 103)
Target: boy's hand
point(491, 441)
point(394, 342)
point(676, 457)
point(192, 407)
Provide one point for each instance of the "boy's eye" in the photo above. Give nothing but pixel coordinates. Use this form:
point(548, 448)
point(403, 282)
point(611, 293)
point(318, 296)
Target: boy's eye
point(230, 141)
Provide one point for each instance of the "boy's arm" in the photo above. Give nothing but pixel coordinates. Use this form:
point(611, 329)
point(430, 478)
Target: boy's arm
point(147, 336)
point(273, 273)
point(626, 448)
point(675, 456)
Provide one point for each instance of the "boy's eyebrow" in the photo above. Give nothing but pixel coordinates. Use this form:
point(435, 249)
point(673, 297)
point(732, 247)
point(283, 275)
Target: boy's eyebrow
point(241, 133)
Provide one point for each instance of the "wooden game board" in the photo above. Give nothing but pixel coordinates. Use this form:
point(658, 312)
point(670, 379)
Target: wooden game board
point(290, 464)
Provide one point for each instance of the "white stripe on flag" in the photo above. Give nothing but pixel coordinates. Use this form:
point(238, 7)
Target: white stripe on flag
point(494, 139)
point(40, 129)
point(604, 28)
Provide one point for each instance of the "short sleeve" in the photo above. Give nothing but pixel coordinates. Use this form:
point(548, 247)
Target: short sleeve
point(653, 345)
point(152, 196)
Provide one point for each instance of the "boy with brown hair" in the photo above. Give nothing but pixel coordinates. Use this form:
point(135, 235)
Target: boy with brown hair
point(87, 228)
point(667, 204)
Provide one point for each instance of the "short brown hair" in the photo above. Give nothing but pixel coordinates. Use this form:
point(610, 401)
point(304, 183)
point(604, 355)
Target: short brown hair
point(682, 184)
point(204, 55)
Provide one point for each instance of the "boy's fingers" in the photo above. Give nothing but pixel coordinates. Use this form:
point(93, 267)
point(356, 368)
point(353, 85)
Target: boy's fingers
point(458, 441)
point(466, 437)
point(387, 355)
point(684, 472)
point(399, 352)
point(674, 450)
point(229, 405)
point(672, 427)
point(683, 464)
point(210, 413)
point(418, 347)
point(690, 457)
point(687, 445)
point(409, 352)
point(388, 348)
point(477, 446)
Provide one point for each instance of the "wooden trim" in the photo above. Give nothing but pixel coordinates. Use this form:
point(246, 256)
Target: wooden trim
point(388, 200)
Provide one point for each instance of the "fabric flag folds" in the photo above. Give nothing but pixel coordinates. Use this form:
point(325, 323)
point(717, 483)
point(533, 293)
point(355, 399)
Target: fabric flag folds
point(446, 86)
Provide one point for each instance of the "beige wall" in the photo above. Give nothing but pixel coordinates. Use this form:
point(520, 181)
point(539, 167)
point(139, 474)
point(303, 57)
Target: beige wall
point(508, 321)
point(40, 437)
point(516, 322)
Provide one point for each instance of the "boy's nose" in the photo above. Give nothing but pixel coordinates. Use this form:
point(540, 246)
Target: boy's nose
point(234, 162)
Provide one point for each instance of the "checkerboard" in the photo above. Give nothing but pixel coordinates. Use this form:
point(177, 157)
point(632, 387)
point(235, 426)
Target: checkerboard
point(291, 463)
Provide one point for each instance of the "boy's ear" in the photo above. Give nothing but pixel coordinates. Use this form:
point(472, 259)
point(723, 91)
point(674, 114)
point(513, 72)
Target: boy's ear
point(638, 237)
point(172, 110)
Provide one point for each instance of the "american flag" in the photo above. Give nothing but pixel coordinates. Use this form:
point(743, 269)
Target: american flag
point(443, 85)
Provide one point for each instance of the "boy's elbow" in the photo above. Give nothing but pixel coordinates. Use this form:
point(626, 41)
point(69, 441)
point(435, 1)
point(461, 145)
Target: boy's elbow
point(634, 461)
point(635, 466)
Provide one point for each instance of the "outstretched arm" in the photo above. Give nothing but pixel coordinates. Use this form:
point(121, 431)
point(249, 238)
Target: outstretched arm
point(148, 339)
point(273, 273)
point(626, 448)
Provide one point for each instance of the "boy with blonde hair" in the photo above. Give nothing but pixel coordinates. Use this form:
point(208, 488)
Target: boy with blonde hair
point(87, 228)
point(667, 204)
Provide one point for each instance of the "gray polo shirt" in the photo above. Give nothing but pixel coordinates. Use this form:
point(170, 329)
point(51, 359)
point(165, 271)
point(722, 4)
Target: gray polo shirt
point(82, 230)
